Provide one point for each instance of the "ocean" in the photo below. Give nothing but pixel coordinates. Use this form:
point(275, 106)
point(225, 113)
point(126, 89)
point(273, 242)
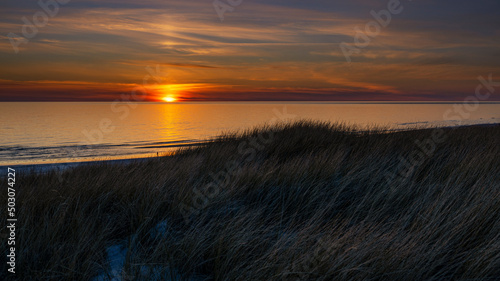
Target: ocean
point(59, 132)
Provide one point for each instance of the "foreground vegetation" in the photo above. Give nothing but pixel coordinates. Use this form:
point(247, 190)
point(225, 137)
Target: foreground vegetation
point(303, 201)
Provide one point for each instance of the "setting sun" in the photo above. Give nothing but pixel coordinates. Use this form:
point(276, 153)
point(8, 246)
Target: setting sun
point(169, 99)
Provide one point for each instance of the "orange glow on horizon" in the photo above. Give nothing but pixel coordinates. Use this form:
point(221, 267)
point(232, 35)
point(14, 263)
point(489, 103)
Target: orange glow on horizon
point(170, 93)
point(169, 99)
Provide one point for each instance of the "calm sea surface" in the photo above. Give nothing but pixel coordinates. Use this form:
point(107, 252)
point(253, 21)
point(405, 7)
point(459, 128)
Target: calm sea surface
point(34, 133)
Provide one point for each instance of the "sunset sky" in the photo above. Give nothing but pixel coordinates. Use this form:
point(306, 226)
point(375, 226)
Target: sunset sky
point(93, 50)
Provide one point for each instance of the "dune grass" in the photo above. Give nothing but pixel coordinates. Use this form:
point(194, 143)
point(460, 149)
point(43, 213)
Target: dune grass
point(301, 201)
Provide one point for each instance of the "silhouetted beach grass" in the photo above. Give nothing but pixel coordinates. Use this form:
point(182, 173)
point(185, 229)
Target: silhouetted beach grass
point(300, 201)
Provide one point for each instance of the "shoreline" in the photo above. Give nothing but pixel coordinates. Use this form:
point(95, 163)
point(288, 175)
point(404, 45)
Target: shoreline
point(40, 168)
